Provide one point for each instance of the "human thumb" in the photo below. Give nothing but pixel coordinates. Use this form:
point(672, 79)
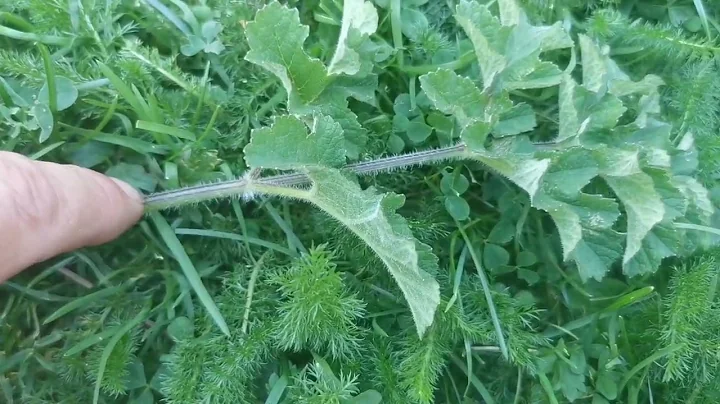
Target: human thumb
point(47, 209)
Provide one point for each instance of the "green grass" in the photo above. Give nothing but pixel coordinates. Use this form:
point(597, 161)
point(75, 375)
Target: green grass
point(407, 216)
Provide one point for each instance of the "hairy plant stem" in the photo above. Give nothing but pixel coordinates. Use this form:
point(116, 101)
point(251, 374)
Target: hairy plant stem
point(285, 184)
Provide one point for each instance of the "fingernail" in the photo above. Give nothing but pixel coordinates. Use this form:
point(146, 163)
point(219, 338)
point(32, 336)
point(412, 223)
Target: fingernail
point(128, 189)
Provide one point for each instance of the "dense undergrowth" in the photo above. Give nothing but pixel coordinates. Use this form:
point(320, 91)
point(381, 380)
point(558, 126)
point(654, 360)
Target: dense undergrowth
point(438, 202)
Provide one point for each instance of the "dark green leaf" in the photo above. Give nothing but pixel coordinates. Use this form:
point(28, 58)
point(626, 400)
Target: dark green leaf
point(495, 256)
point(457, 207)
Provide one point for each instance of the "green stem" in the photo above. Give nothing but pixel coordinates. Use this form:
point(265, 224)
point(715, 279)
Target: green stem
point(93, 84)
point(488, 293)
point(698, 227)
point(463, 61)
point(50, 78)
point(396, 24)
point(282, 185)
point(250, 289)
point(27, 36)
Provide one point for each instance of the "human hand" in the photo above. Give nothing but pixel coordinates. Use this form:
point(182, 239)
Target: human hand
point(47, 209)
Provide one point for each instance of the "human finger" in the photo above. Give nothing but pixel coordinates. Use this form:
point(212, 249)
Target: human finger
point(47, 209)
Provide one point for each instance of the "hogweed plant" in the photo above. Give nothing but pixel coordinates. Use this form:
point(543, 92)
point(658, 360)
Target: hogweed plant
point(373, 201)
point(643, 168)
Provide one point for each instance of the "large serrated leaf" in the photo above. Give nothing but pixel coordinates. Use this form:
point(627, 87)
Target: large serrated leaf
point(360, 19)
point(518, 119)
point(333, 103)
point(453, 94)
point(276, 38)
point(601, 74)
point(287, 144)
point(643, 206)
point(582, 220)
point(456, 95)
point(661, 242)
point(508, 49)
point(487, 35)
point(584, 112)
point(371, 216)
point(596, 252)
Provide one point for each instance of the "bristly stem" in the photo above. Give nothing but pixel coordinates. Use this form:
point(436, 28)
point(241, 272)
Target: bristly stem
point(283, 184)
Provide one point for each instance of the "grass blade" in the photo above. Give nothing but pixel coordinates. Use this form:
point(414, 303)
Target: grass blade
point(90, 341)
point(547, 387)
point(293, 240)
point(38, 294)
point(14, 360)
point(172, 242)
point(277, 391)
point(83, 302)
point(111, 345)
point(235, 237)
point(165, 129)
point(647, 362)
point(479, 386)
point(125, 91)
point(29, 36)
point(46, 150)
point(700, 7)
point(458, 278)
point(137, 145)
point(49, 77)
point(698, 227)
point(488, 293)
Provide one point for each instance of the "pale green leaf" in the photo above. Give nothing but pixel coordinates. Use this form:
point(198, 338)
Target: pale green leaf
point(596, 252)
point(487, 35)
point(569, 120)
point(661, 242)
point(414, 23)
point(519, 119)
point(509, 52)
point(572, 216)
point(643, 206)
point(276, 38)
point(570, 171)
point(526, 259)
point(361, 88)
point(136, 375)
point(601, 74)
point(539, 75)
point(371, 216)
point(180, 328)
point(697, 196)
point(456, 95)
point(583, 112)
point(524, 172)
point(193, 47)
point(510, 12)
point(287, 144)
point(583, 221)
point(333, 103)
point(675, 202)
point(594, 65)
point(359, 19)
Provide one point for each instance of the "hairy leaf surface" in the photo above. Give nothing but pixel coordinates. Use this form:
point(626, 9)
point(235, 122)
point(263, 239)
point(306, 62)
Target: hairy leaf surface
point(371, 216)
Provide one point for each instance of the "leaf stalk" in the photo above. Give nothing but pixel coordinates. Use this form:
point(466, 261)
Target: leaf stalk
point(285, 184)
